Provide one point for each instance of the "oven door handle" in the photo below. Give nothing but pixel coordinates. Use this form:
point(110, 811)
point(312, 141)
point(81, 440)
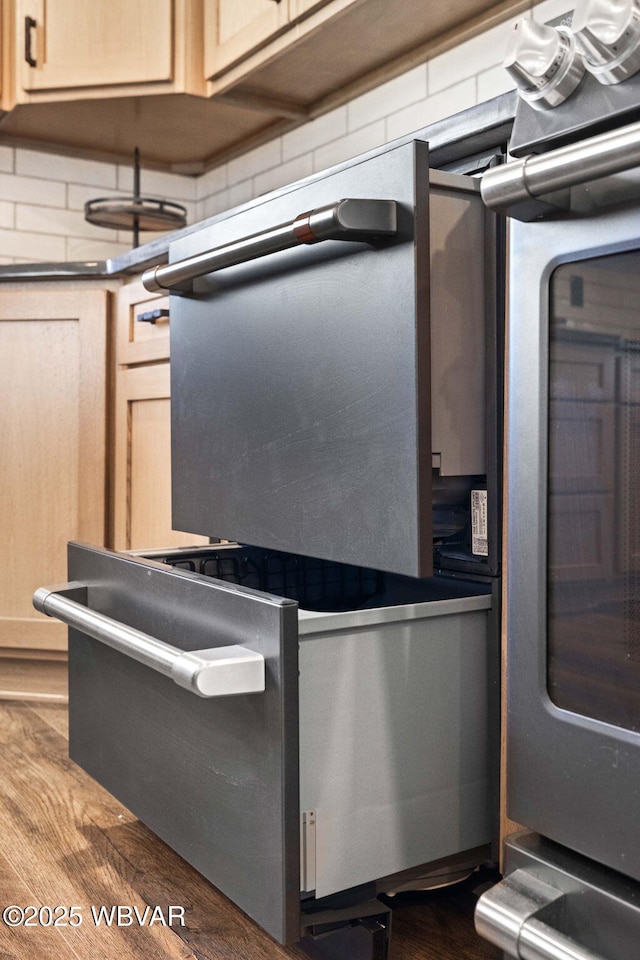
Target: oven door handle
point(517, 189)
point(507, 916)
point(216, 672)
point(356, 220)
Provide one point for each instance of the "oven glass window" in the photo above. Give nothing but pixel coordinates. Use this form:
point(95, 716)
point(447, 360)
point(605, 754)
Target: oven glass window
point(594, 489)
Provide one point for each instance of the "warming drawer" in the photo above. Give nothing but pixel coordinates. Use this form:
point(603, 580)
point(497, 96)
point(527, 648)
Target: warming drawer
point(369, 737)
point(328, 388)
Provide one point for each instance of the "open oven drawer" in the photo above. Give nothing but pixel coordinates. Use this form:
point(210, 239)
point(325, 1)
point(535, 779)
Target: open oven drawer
point(369, 738)
point(328, 397)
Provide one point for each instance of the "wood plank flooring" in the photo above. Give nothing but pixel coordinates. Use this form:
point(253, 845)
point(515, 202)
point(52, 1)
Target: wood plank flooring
point(64, 841)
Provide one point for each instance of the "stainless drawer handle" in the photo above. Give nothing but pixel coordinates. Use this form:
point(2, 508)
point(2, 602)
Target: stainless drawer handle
point(355, 220)
point(217, 672)
point(506, 915)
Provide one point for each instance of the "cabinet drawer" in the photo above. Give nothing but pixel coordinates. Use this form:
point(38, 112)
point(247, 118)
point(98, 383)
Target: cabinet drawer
point(143, 326)
point(364, 721)
point(217, 779)
point(334, 375)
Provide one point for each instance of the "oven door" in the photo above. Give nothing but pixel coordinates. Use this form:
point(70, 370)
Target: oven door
point(573, 544)
point(573, 573)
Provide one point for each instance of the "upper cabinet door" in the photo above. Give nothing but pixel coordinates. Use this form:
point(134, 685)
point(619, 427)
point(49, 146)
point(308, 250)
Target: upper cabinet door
point(235, 28)
point(71, 44)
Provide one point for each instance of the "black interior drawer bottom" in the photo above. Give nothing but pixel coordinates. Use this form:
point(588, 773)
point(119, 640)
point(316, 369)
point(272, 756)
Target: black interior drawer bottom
point(314, 583)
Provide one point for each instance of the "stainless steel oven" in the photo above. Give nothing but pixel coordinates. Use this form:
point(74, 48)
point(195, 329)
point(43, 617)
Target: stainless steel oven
point(573, 481)
point(306, 713)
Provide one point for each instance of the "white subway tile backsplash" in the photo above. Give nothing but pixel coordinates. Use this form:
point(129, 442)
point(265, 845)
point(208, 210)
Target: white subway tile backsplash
point(459, 97)
point(388, 98)
point(211, 182)
point(406, 121)
point(262, 158)
point(31, 190)
point(437, 107)
point(154, 183)
point(469, 58)
point(296, 169)
point(493, 82)
point(7, 214)
point(81, 249)
point(6, 159)
point(63, 223)
point(240, 193)
point(211, 205)
point(350, 146)
point(33, 163)
point(314, 134)
point(31, 247)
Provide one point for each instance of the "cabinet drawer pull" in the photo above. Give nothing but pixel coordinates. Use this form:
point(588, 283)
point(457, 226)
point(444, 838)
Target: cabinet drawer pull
point(216, 672)
point(29, 25)
point(354, 220)
point(151, 316)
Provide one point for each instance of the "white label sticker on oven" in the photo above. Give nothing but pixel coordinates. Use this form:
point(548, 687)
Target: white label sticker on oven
point(479, 541)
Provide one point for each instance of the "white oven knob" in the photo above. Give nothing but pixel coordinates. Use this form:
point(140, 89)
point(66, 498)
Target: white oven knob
point(607, 34)
point(544, 63)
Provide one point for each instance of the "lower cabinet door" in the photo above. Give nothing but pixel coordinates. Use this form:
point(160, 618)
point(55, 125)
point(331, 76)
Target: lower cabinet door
point(216, 778)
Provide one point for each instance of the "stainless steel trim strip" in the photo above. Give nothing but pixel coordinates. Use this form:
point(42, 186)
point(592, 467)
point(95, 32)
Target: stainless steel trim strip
point(503, 188)
point(506, 915)
point(349, 219)
point(216, 672)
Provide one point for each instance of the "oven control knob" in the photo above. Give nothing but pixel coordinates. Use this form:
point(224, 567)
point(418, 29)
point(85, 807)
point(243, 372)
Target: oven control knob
point(607, 34)
point(544, 63)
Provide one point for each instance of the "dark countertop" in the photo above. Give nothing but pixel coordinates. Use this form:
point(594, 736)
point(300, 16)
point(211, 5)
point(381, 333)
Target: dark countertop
point(474, 131)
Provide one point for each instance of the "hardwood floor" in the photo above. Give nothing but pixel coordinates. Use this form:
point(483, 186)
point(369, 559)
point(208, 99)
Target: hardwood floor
point(65, 842)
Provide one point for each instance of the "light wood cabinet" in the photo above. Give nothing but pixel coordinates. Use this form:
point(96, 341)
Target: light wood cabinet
point(316, 54)
point(142, 483)
point(141, 340)
point(105, 48)
point(193, 82)
point(234, 28)
point(3, 53)
point(6, 32)
point(53, 468)
point(85, 453)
